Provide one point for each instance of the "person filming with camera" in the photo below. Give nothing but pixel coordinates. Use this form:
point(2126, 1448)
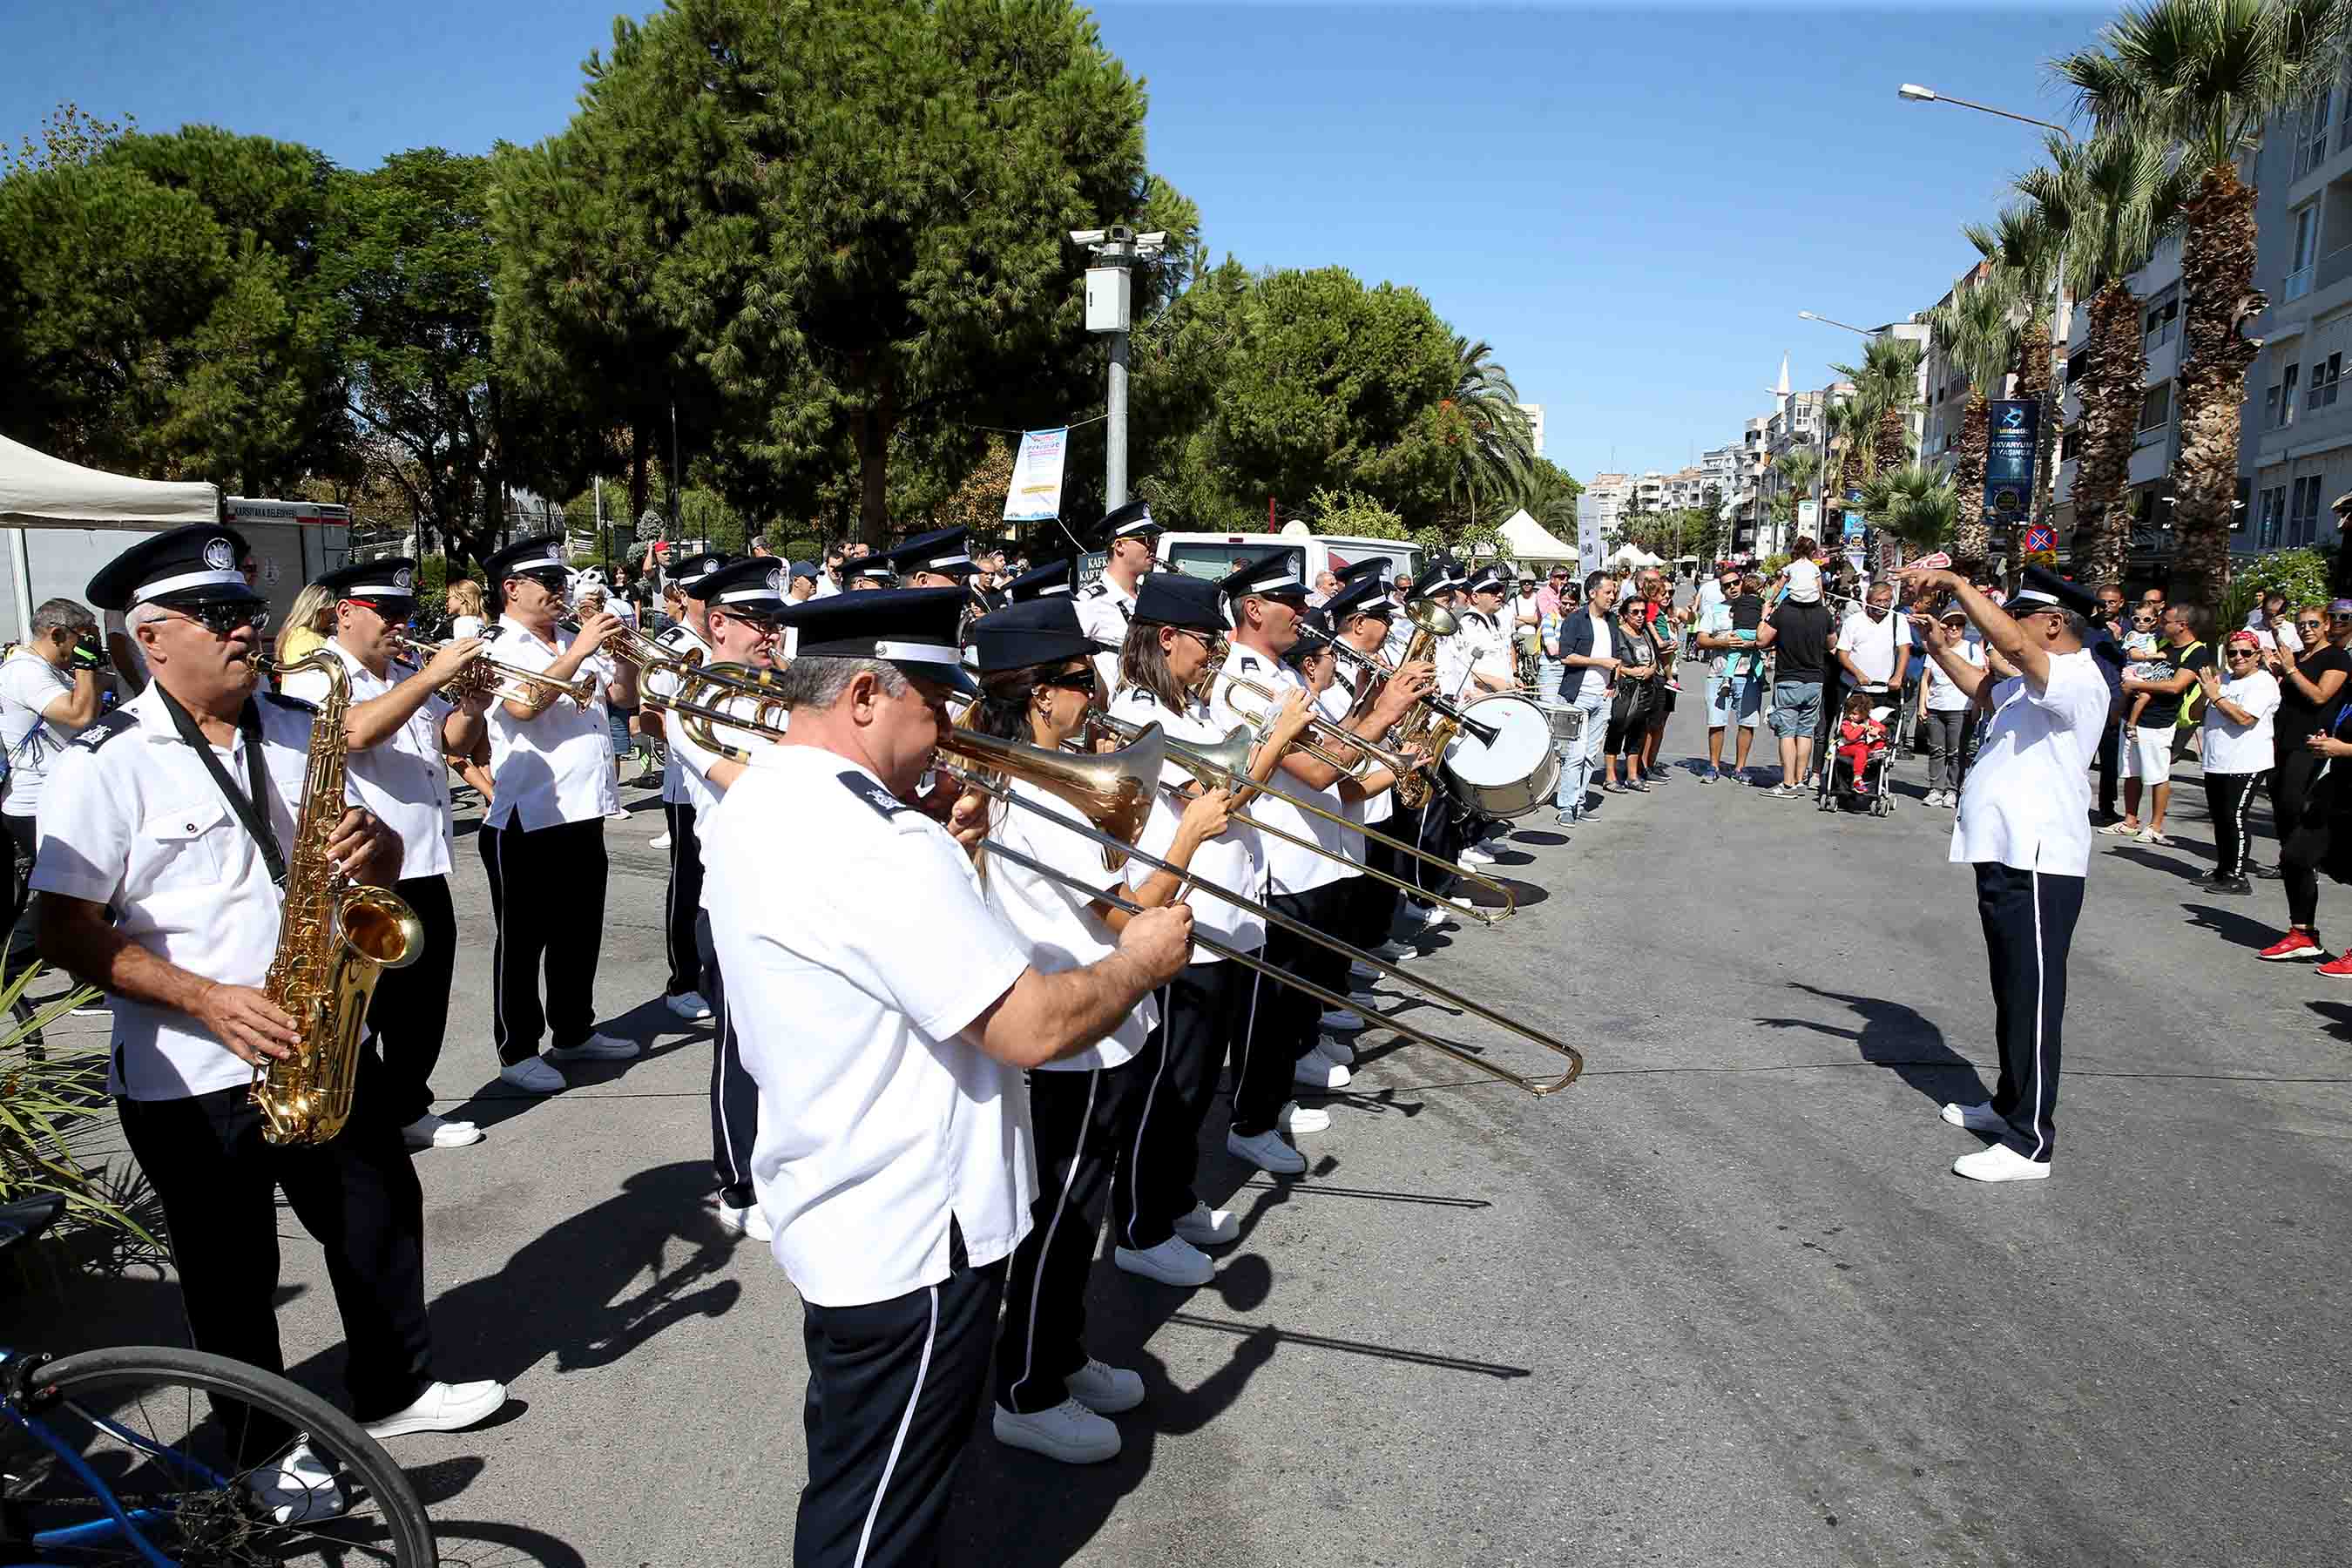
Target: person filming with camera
point(51, 690)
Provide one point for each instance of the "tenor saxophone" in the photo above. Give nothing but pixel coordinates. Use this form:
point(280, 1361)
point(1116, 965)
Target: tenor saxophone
point(336, 938)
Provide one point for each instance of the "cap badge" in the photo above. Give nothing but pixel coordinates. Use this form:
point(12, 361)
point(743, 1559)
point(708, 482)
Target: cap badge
point(404, 579)
point(218, 555)
point(776, 581)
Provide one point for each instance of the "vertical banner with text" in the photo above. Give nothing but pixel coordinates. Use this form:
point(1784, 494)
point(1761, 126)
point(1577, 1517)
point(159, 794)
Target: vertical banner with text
point(2013, 425)
point(1035, 493)
point(1588, 533)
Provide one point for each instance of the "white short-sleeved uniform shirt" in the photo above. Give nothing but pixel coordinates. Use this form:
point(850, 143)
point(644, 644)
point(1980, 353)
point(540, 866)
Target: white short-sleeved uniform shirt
point(1943, 697)
point(1234, 859)
point(557, 767)
point(1875, 646)
point(2027, 801)
point(28, 684)
point(1061, 930)
point(679, 787)
point(2232, 748)
point(849, 984)
point(1454, 656)
point(1291, 868)
point(464, 626)
point(404, 780)
point(1334, 702)
point(1486, 651)
point(1105, 612)
point(133, 820)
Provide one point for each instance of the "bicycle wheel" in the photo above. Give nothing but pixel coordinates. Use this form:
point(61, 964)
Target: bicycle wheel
point(147, 1455)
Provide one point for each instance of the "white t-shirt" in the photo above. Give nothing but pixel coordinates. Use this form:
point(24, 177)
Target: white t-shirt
point(1060, 929)
point(404, 780)
point(2243, 748)
point(1291, 868)
point(557, 767)
point(28, 684)
point(1874, 645)
point(1943, 697)
point(1804, 581)
point(134, 821)
point(1234, 859)
point(2027, 801)
point(880, 1122)
point(463, 626)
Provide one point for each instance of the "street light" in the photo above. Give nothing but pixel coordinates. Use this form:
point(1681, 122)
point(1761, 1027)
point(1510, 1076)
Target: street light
point(1827, 321)
point(1912, 93)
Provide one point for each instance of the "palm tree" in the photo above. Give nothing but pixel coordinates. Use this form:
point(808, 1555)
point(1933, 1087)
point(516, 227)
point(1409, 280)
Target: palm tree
point(1495, 461)
point(2205, 76)
point(1978, 330)
point(2112, 197)
point(1913, 503)
point(1797, 466)
point(1849, 428)
point(2025, 250)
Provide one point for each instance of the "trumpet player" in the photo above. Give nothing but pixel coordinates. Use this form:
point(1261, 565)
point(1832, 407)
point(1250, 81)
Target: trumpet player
point(1267, 599)
point(165, 831)
point(543, 837)
point(687, 637)
point(401, 728)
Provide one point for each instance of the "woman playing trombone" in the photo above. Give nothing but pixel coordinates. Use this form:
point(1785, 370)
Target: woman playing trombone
point(1039, 681)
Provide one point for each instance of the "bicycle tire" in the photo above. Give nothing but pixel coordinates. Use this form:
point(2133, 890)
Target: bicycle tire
point(395, 1501)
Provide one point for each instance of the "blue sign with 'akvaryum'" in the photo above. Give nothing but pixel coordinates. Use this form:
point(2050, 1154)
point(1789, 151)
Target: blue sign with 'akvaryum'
point(2012, 426)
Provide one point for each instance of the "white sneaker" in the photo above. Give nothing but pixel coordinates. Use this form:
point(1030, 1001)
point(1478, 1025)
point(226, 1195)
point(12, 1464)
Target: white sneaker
point(1267, 1152)
point(533, 1074)
point(597, 1047)
point(1205, 1226)
point(1297, 1118)
point(443, 1407)
point(1396, 951)
point(1433, 918)
point(1974, 1118)
point(688, 1005)
point(1337, 1052)
point(1175, 1261)
point(1342, 1019)
point(1069, 1432)
point(1104, 1390)
point(1315, 1070)
point(659, 840)
point(1474, 856)
point(621, 814)
point(751, 1220)
point(298, 1488)
point(2001, 1163)
point(431, 1131)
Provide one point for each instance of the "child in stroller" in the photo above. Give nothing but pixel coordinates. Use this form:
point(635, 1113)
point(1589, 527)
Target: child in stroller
point(1857, 774)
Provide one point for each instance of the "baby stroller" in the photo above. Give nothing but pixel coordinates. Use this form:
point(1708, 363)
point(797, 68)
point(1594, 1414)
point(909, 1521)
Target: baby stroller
point(1841, 788)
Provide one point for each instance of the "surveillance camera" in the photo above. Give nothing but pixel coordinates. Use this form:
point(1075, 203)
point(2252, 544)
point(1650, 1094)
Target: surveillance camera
point(1086, 236)
point(1120, 233)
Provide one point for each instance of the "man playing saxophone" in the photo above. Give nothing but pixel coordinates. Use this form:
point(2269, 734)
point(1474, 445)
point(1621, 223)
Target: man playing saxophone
point(401, 728)
point(164, 835)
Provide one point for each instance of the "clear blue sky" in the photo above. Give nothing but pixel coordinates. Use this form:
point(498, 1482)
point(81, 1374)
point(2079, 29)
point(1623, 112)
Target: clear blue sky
point(1631, 206)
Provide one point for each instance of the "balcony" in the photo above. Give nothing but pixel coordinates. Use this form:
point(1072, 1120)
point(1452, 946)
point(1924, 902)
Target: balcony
point(2299, 283)
point(2335, 267)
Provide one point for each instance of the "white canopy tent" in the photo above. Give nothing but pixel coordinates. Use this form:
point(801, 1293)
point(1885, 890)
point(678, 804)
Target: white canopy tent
point(1531, 543)
point(37, 490)
point(1633, 555)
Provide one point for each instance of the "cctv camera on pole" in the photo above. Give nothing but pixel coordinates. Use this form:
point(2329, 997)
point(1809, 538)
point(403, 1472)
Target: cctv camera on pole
point(1110, 299)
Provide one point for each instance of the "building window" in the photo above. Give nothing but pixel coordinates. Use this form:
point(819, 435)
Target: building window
point(2270, 410)
point(2324, 376)
point(2286, 395)
point(2273, 517)
point(2156, 408)
point(2163, 321)
point(2303, 521)
point(2066, 445)
point(2311, 133)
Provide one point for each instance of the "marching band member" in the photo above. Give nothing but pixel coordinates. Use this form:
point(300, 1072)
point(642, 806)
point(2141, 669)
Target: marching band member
point(682, 994)
point(886, 1013)
point(1492, 664)
point(543, 836)
point(1037, 674)
point(1054, 577)
point(165, 830)
point(1432, 828)
point(1128, 537)
point(1360, 614)
point(1161, 1224)
point(868, 572)
point(742, 603)
point(942, 559)
point(402, 731)
point(1266, 599)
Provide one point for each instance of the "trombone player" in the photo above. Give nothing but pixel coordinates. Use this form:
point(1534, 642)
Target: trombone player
point(685, 637)
point(401, 728)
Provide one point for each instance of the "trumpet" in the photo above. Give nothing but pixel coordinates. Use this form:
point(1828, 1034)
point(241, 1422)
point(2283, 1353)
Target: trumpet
point(1225, 766)
point(1105, 784)
point(1373, 756)
point(1437, 621)
point(486, 676)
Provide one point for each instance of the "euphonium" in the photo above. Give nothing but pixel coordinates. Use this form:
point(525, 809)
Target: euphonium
point(1423, 727)
point(335, 938)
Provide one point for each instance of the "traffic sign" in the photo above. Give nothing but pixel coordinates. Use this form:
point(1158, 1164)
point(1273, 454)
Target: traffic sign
point(2041, 536)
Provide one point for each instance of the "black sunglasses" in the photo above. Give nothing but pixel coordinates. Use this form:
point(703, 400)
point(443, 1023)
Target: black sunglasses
point(222, 620)
point(1073, 680)
point(2309, 625)
point(2244, 653)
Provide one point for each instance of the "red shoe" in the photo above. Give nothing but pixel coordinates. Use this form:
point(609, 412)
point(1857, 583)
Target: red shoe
point(2297, 943)
point(2338, 969)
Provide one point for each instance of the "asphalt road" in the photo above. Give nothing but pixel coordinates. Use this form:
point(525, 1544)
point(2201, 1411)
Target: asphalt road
point(1719, 1303)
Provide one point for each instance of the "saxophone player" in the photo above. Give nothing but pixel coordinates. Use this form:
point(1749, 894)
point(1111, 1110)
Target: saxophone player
point(401, 728)
point(163, 833)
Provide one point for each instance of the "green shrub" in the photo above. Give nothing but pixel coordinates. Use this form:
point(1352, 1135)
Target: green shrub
point(2301, 575)
point(47, 1097)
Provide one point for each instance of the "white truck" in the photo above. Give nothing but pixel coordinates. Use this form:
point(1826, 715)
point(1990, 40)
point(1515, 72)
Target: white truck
point(292, 541)
point(1213, 556)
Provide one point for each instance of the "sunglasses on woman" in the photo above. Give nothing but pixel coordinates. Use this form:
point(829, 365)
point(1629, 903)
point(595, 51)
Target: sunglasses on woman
point(1073, 680)
point(2309, 625)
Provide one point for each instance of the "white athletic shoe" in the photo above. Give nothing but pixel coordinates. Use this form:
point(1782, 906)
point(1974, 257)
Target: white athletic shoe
point(431, 1131)
point(1175, 1261)
point(299, 1489)
point(1297, 1118)
point(688, 1005)
point(1337, 1052)
point(1474, 856)
point(1342, 1020)
point(597, 1047)
point(534, 1075)
point(1205, 1226)
point(618, 815)
point(1974, 1118)
point(443, 1407)
point(1267, 1152)
point(1315, 1070)
point(2000, 1162)
point(751, 1219)
point(659, 840)
point(1104, 1390)
point(1069, 1432)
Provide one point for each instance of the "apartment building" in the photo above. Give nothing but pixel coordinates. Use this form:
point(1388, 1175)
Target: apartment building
point(1534, 413)
point(2157, 446)
point(1609, 492)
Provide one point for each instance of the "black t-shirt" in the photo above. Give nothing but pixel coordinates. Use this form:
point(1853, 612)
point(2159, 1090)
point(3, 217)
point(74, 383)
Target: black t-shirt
point(2299, 718)
point(2164, 709)
point(1746, 611)
point(1802, 643)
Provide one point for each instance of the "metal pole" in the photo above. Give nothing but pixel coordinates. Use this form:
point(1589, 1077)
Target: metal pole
point(1115, 434)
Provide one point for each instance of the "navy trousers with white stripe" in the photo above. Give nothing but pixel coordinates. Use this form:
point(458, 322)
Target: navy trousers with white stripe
point(2029, 927)
point(1084, 1125)
point(684, 901)
point(1204, 1012)
point(734, 1093)
point(894, 1387)
point(547, 896)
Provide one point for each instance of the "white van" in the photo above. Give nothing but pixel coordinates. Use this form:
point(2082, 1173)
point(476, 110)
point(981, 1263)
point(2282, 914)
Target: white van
point(1213, 556)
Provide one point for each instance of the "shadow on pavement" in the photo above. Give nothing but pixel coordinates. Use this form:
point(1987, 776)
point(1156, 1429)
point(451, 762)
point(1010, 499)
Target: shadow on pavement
point(496, 1100)
point(2164, 860)
point(482, 1544)
point(1897, 1037)
point(2231, 926)
point(2339, 1016)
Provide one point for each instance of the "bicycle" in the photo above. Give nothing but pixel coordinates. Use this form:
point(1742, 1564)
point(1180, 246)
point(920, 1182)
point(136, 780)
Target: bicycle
point(257, 1470)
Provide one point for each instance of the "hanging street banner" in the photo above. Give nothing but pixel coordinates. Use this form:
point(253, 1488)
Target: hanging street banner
point(1588, 533)
point(1035, 494)
point(2013, 425)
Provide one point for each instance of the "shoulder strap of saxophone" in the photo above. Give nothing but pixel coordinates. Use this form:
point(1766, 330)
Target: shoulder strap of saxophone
point(249, 809)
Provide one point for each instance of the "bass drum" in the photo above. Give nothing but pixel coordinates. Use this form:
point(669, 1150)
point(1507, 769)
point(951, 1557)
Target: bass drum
point(1518, 773)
